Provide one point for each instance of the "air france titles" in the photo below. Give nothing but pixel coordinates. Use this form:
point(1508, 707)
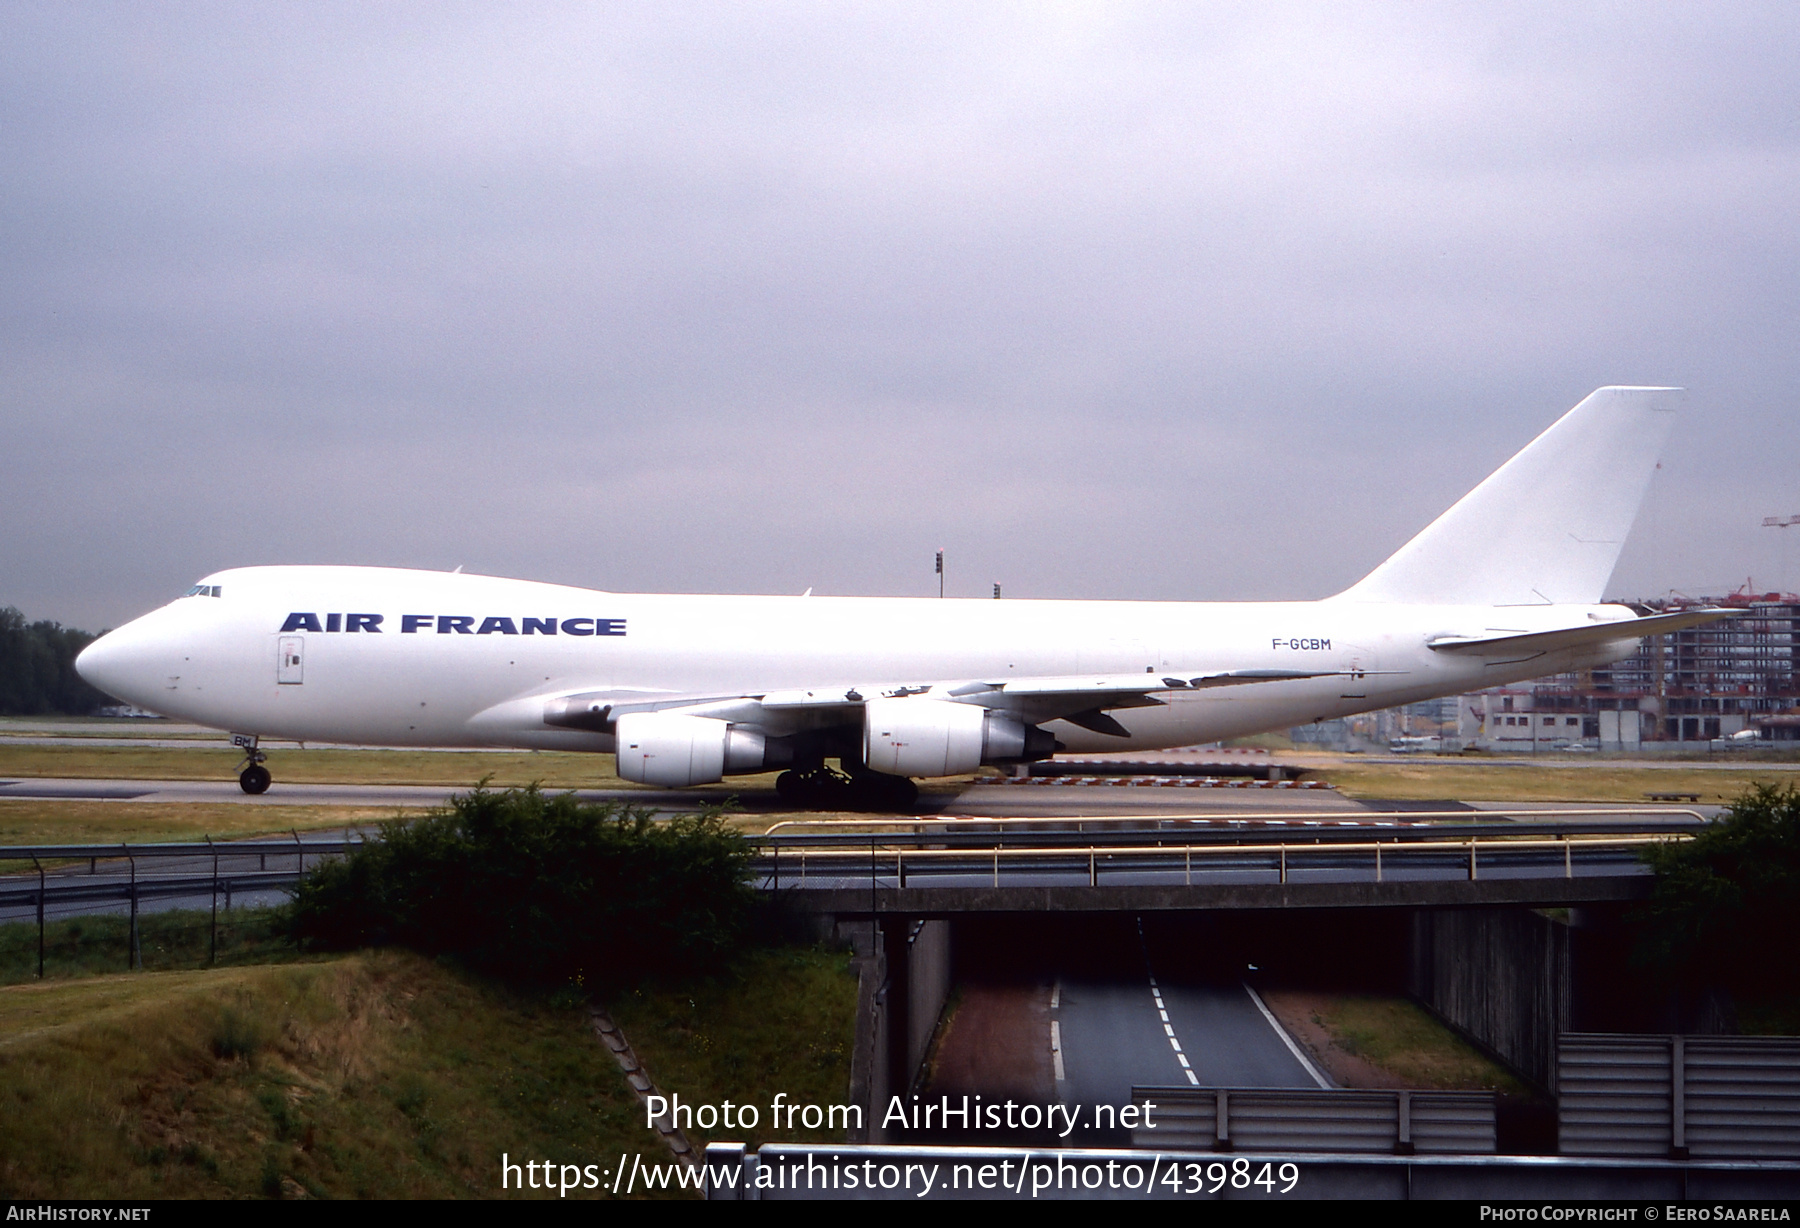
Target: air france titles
point(455, 624)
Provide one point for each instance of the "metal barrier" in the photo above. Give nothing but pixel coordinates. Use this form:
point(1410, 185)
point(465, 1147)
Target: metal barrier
point(1317, 1119)
point(201, 871)
point(1373, 859)
point(1726, 1097)
point(1592, 819)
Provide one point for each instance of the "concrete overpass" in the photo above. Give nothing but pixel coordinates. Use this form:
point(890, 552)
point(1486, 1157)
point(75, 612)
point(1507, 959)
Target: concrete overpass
point(946, 868)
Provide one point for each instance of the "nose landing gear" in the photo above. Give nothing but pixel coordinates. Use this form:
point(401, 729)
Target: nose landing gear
point(254, 778)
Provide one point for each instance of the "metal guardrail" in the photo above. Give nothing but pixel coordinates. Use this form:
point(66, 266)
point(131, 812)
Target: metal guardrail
point(227, 872)
point(1728, 1097)
point(937, 827)
point(806, 864)
point(798, 852)
point(1317, 1119)
point(288, 847)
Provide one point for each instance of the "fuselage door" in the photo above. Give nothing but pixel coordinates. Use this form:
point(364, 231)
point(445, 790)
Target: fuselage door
point(288, 669)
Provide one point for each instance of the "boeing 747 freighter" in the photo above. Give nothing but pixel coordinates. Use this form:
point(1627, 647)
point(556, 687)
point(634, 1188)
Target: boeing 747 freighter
point(686, 690)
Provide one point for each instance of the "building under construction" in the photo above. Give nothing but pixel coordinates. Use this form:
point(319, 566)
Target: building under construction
point(1732, 679)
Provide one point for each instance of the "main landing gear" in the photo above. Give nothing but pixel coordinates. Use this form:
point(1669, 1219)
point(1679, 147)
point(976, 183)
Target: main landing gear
point(254, 778)
point(821, 788)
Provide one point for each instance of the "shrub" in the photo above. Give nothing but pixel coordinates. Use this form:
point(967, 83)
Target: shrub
point(1726, 906)
point(540, 889)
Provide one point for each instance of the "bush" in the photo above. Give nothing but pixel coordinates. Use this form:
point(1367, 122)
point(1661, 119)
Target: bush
point(540, 889)
point(1726, 907)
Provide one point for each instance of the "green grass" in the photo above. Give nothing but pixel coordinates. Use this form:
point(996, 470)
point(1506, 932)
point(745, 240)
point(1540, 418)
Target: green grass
point(1479, 782)
point(57, 821)
point(167, 941)
point(782, 1021)
point(105, 727)
point(1400, 1037)
point(457, 770)
point(553, 769)
point(1776, 1016)
point(380, 1075)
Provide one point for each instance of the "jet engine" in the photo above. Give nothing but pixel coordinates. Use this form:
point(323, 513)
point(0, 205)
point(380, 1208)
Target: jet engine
point(933, 737)
point(671, 749)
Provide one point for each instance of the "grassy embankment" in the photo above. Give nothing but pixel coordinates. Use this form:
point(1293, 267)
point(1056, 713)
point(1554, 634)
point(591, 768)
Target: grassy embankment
point(379, 1075)
point(1373, 1041)
point(1579, 781)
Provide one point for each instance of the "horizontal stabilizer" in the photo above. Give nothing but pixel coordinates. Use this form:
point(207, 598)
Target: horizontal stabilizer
point(1578, 637)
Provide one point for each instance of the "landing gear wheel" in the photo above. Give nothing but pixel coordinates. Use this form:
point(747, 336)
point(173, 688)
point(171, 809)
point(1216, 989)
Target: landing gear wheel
point(879, 791)
point(822, 788)
point(254, 778)
point(817, 788)
point(788, 787)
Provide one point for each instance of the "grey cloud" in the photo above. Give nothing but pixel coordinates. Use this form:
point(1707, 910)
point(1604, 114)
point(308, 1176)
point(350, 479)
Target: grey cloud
point(1123, 300)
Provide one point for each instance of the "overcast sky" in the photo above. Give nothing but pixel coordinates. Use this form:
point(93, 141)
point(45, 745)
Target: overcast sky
point(1201, 302)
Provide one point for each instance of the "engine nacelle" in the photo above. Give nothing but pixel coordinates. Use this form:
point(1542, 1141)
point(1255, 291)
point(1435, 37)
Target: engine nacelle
point(933, 737)
point(672, 749)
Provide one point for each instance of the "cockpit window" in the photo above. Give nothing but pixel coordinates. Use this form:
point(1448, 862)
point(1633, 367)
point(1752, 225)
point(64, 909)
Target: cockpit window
point(205, 590)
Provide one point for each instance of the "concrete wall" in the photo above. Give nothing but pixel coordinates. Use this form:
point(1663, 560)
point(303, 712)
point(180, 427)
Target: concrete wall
point(1502, 977)
point(903, 981)
point(928, 977)
point(869, 1057)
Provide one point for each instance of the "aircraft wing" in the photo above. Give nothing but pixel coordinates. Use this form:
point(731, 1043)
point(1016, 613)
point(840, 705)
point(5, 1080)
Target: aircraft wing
point(1082, 699)
point(1534, 643)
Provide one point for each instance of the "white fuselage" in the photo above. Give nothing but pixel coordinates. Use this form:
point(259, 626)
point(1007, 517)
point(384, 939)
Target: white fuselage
point(395, 657)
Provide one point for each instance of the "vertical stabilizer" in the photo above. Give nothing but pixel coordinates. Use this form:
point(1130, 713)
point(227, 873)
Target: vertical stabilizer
point(1548, 525)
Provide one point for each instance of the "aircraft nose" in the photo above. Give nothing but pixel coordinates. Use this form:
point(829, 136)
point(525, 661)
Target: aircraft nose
point(127, 664)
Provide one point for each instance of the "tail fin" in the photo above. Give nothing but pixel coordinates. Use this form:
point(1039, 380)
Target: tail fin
point(1548, 525)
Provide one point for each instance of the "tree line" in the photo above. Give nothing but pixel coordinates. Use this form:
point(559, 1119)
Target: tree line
point(37, 668)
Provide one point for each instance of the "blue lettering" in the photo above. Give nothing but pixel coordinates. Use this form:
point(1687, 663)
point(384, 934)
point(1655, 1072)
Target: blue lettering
point(539, 626)
point(410, 623)
point(577, 626)
point(301, 622)
point(334, 622)
point(503, 625)
point(462, 624)
point(609, 626)
point(362, 622)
